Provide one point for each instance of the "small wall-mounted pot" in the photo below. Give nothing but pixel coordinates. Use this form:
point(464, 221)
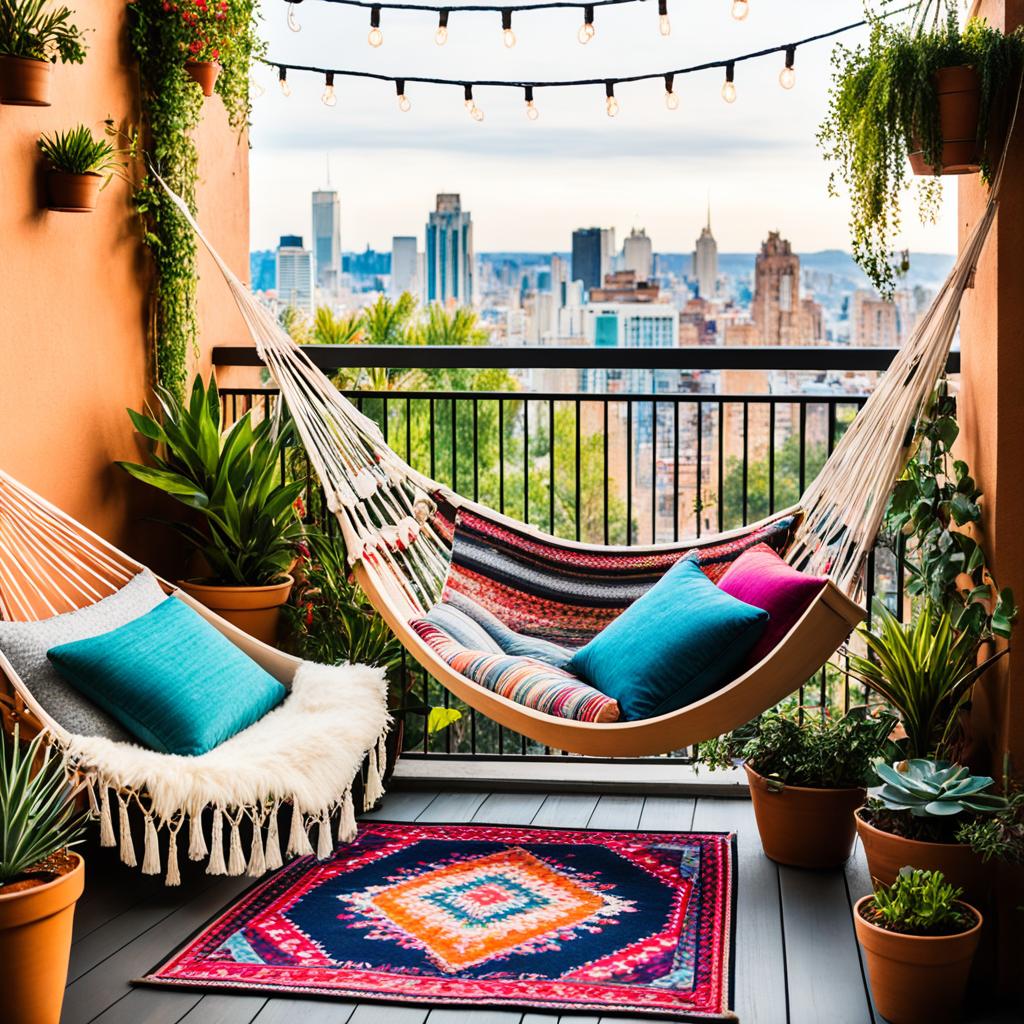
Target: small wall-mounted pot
point(25, 81)
point(204, 73)
point(959, 96)
point(72, 193)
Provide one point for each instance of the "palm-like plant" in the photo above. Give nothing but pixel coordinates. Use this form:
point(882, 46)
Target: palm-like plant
point(78, 151)
point(37, 819)
point(925, 670)
point(32, 29)
point(233, 480)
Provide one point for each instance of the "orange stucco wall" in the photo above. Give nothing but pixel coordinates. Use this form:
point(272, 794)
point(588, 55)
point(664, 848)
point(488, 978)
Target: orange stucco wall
point(75, 288)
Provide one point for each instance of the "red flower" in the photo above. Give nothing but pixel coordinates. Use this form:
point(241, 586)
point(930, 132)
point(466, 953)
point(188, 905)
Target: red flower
point(309, 613)
point(215, 54)
point(195, 46)
point(300, 506)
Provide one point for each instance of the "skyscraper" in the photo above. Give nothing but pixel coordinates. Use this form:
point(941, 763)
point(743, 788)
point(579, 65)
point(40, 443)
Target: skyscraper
point(449, 252)
point(327, 238)
point(638, 255)
point(705, 261)
point(587, 263)
point(776, 300)
point(405, 266)
point(295, 274)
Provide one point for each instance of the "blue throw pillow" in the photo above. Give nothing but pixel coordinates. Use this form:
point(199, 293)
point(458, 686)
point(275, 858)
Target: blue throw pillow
point(171, 679)
point(679, 642)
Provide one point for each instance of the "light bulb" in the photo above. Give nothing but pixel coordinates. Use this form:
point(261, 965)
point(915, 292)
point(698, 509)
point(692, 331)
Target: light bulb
point(586, 33)
point(403, 104)
point(664, 25)
point(476, 113)
point(376, 37)
point(441, 35)
point(729, 92)
point(282, 79)
point(787, 78)
point(531, 111)
point(611, 106)
point(293, 22)
point(329, 98)
point(671, 101)
point(740, 9)
point(508, 38)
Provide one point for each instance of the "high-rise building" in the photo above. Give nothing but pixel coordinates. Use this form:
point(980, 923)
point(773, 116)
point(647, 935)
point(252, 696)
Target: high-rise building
point(776, 302)
point(587, 260)
point(638, 255)
point(609, 260)
point(705, 261)
point(327, 238)
point(631, 325)
point(295, 274)
point(449, 252)
point(874, 323)
point(405, 266)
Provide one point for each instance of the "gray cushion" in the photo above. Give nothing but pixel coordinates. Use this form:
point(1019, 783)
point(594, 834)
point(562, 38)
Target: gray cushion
point(25, 644)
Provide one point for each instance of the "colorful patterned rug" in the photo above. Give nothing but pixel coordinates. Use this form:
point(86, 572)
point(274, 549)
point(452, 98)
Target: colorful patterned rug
point(486, 916)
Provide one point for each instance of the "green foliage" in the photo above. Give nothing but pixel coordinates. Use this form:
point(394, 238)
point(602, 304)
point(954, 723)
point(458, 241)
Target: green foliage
point(37, 818)
point(1000, 835)
point(78, 151)
point(231, 480)
point(883, 105)
point(822, 752)
point(935, 789)
point(919, 903)
point(172, 105)
point(32, 29)
point(924, 669)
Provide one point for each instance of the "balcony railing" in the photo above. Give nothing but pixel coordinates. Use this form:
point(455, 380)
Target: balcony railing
point(641, 446)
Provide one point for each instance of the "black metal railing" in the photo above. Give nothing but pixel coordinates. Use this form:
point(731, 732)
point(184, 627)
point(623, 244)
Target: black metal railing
point(629, 467)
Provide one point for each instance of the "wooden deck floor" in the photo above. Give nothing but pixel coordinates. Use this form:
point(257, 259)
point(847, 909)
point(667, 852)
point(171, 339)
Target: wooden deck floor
point(797, 959)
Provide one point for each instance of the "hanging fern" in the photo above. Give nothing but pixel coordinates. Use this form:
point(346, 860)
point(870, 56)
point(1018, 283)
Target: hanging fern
point(883, 104)
point(162, 36)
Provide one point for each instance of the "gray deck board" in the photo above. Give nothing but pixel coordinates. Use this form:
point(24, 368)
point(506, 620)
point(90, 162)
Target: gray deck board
point(566, 810)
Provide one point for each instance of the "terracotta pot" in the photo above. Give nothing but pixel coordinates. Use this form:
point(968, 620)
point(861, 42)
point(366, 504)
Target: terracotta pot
point(256, 610)
point(204, 73)
point(916, 979)
point(72, 193)
point(959, 94)
point(804, 827)
point(887, 853)
point(25, 82)
point(35, 943)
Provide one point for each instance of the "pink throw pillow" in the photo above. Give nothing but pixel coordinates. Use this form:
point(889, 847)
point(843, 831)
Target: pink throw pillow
point(759, 577)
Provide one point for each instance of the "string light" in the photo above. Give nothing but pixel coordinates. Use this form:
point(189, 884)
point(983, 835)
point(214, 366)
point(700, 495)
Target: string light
point(611, 104)
point(587, 30)
point(403, 101)
point(729, 86)
point(470, 104)
point(329, 98)
point(664, 25)
point(282, 79)
point(293, 22)
point(740, 9)
point(787, 76)
point(671, 99)
point(441, 35)
point(531, 111)
point(376, 37)
point(507, 35)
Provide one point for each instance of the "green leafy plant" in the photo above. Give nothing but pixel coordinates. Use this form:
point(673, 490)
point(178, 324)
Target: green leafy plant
point(78, 151)
point(925, 670)
point(33, 29)
point(821, 752)
point(935, 789)
point(883, 105)
point(919, 903)
point(999, 835)
point(37, 818)
point(232, 480)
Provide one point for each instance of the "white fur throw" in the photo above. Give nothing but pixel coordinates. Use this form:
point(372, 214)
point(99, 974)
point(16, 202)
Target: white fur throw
point(305, 752)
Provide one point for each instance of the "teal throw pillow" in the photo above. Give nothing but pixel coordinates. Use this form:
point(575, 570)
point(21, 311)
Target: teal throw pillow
point(171, 679)
point(677, 643)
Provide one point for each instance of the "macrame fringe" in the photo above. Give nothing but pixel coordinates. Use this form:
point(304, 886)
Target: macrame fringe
point(196, 840)
point(151, 853)
point(257, 859)
point(125, 830)
point(374, 789)
point(347, 819)
point(324, 846)
point(215, 865)
point(236, 858)
point(106, 825)
point(273, 853)
point(298, 840)
point(173, 876)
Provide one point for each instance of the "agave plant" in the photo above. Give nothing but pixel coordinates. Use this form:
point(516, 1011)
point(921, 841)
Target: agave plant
point(935, 789)
point(233, 480)
point(37, 819)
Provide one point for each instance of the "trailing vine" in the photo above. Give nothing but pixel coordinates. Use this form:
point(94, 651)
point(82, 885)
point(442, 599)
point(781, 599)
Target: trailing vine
point(163, 36)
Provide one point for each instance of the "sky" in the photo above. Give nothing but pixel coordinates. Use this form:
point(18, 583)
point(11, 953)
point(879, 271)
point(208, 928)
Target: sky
point(529, 183)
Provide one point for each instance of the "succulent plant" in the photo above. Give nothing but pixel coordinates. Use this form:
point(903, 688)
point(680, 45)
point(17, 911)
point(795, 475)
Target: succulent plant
point(935, 788)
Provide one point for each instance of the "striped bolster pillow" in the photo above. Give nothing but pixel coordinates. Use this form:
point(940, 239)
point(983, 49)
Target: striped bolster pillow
point(527, 681)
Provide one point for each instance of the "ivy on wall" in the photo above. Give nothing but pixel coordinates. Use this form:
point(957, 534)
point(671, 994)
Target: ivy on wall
point(163, 36)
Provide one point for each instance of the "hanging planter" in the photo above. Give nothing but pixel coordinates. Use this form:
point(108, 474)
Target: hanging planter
point(80, 168)
point(958, 90)
point(204, 73)
point(32, 39)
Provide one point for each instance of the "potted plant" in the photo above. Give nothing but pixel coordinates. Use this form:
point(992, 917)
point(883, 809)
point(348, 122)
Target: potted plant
point(915, 817)
point(204, 30)
point(41, 879)
point(80, 167)
point(33, 37)
point(921, 89)
point(233, 480)
point(806, 780)
point(918, 939)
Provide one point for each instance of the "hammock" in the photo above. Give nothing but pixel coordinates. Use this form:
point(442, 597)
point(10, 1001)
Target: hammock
point(399, 526)
point(306, 753)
